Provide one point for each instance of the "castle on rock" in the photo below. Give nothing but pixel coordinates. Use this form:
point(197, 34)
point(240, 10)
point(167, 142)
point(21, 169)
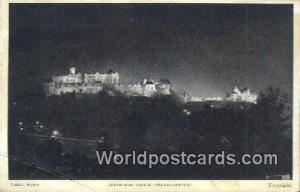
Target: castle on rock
point(93, 83)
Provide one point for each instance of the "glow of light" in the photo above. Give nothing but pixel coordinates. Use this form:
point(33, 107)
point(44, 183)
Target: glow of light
point(55, 132)
point(37, 122)
point(20, 123)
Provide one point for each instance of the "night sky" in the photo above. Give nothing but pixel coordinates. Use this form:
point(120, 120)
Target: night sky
point(204, 49)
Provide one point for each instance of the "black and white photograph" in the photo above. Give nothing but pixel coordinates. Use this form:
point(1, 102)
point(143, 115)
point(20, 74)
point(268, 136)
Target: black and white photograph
point(150, 91)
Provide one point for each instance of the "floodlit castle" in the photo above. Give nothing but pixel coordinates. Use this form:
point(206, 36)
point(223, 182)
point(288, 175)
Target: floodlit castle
point(93, 83)
point(145, 87)
point(110, 77)
point(242, 95)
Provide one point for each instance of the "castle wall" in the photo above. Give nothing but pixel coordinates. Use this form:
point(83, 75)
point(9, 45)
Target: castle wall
point(130, 89)
point(147, 90)
point(244, 96)
point(103, 78)
point(85, 88)
point(77, 78)
point(164, 89)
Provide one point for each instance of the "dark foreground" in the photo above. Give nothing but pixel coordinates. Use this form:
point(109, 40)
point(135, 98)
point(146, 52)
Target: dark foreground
point(56, 137)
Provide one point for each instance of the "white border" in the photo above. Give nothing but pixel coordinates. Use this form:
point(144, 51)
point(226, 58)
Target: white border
point(102, 185)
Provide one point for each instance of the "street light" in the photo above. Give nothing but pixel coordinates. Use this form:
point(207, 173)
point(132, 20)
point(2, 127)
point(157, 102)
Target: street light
point(186, 112)
point(55, 132)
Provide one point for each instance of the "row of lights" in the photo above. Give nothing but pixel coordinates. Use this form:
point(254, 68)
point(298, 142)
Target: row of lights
point(55, 133)
point(37, 124)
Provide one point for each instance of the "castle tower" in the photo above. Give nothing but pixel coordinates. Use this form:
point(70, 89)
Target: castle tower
point(116, 78)
point(112, 77)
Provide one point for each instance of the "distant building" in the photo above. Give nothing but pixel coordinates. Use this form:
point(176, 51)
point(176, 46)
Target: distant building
point(196, 99)
point(110, 77)
point(72, 77)
point(146, 88)
point(213, 99)
point(72, 83)
point(53, 88)
point(93, 83)
point(242, 95)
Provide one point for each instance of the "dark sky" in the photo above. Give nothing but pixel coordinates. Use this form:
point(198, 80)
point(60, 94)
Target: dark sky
point(204, 49)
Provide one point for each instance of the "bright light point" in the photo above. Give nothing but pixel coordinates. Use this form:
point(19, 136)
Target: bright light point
point(20, 123)
point(21, 128)
point(188, 113)
point(37, 122)
point(55, 132)
point(41, 126)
